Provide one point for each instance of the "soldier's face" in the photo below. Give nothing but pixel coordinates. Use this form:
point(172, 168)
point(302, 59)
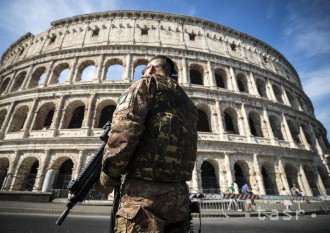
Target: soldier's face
point(157, 66)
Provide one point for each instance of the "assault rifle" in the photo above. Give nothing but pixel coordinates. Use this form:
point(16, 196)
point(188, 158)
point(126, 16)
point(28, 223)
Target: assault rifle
point(90, 174)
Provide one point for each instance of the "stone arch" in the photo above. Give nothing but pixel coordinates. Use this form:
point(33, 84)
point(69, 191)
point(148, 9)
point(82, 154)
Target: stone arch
point(138, 67)
point(269, 178)
point(275, 124)
point(85, 71)
point(4, 85)
point(19, 118)
point(203, 124)
point(44, 116)
point(196, 74)
point(26, 174)
point(104, 112)
point(38, 77)
point(113, 70)
point(294, 130)
point(291, 99)
point(242, 83)
point(278, 93)
point(261, 87)
point(231, 120)
point(291, 173)
point(18, 82)
point(210, 181)
point(63, 167)
point(241, 173)
point(255, 124)
point(3, 114)
point(221, 79)
point(74, 115)
point(312, 180)
point(60, 74)
point(4, 165)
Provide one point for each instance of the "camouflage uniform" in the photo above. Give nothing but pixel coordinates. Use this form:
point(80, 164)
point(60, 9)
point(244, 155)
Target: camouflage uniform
point(153, 141)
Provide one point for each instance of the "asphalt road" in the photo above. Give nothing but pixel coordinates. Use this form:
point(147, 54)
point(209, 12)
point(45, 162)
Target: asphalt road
point(41, 223)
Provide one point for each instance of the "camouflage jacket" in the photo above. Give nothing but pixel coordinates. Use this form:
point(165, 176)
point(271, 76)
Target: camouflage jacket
point(153, 134)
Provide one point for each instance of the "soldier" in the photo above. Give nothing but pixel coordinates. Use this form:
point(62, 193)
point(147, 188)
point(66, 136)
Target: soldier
point(153, 142)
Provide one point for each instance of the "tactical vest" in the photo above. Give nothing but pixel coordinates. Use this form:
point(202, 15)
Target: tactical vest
point(167, 148)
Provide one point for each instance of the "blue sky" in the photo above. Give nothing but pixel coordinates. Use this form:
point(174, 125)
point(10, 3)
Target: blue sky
point(299, 29)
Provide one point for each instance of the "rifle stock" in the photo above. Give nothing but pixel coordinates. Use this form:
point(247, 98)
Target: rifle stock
point(90, 174)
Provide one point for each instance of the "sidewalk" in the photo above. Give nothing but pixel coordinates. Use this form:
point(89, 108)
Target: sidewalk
point(97, 208)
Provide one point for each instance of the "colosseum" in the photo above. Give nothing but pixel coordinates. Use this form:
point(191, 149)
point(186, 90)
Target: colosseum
point(59, 87)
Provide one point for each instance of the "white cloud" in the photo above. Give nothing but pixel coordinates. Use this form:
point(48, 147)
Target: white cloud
point(35, 16)
point(308, 26)
point(317, 83)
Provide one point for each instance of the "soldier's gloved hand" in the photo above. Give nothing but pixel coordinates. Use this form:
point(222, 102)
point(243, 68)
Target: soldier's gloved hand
point(103, 189)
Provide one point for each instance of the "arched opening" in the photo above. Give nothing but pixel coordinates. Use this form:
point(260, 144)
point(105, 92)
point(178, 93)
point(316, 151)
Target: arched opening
point(294, 131)
point(63, 178)
point(312, 180)
point(87, 73)
point(255, 124)
point(241, 173)
point(44, 116)
point(292, 101)
point(18, 82)
point(269, 178)
point(276, 127)
point(220, 78)
point(106, 115)
point(325, 178)
point(230, 118)
point(77, 118)
point(242, 83)
point(38, 77)
point(196, 74)
point(203, 122)
point(278, 94)
point(60, 74)
point(4, 165)
point(19, 118)
point(31, 177)
point(139, 66)
point(114, 72)
point(261, 87)
point(210, 182)
point(3, 114)
point(291, 175)
point(307, 134)
point(74, 115)
point(4, 85)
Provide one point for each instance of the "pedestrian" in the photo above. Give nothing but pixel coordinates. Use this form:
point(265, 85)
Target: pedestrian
point(153, 142)
point(232, 200)
point(247, 191)
point(287, 199)
point(295, 193)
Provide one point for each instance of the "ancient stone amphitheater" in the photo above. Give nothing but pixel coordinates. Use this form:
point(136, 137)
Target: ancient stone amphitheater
point(59, 87)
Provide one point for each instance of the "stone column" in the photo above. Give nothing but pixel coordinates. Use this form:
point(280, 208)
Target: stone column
point(246, 124)
point(303, 137)
point(285, 96)
point(304, 181)
point(48, 74)
point(57, 122)
point(228, 171)
point(269, 127)
point(284, 179)
point(210, 68)
point(185, 70)
point(253, 85)
point(6, 123)
point(287, 131)
point(7, 185)
point(320, 184)
point(49, 181)
point(99, 71)
point(221, 128)
point(27, 79)
point(270, 93)
point(128, 68)
point(41, 172)
point(233, 79)
point(73, 71)
point(259, 177)
point(80, 162)
point(88, 116)
point(10, 83)
point(316, 142)
point(194, 182)
point(29, 118)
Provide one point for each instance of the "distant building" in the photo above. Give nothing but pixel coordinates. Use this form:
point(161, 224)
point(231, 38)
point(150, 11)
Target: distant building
point(59, 87)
